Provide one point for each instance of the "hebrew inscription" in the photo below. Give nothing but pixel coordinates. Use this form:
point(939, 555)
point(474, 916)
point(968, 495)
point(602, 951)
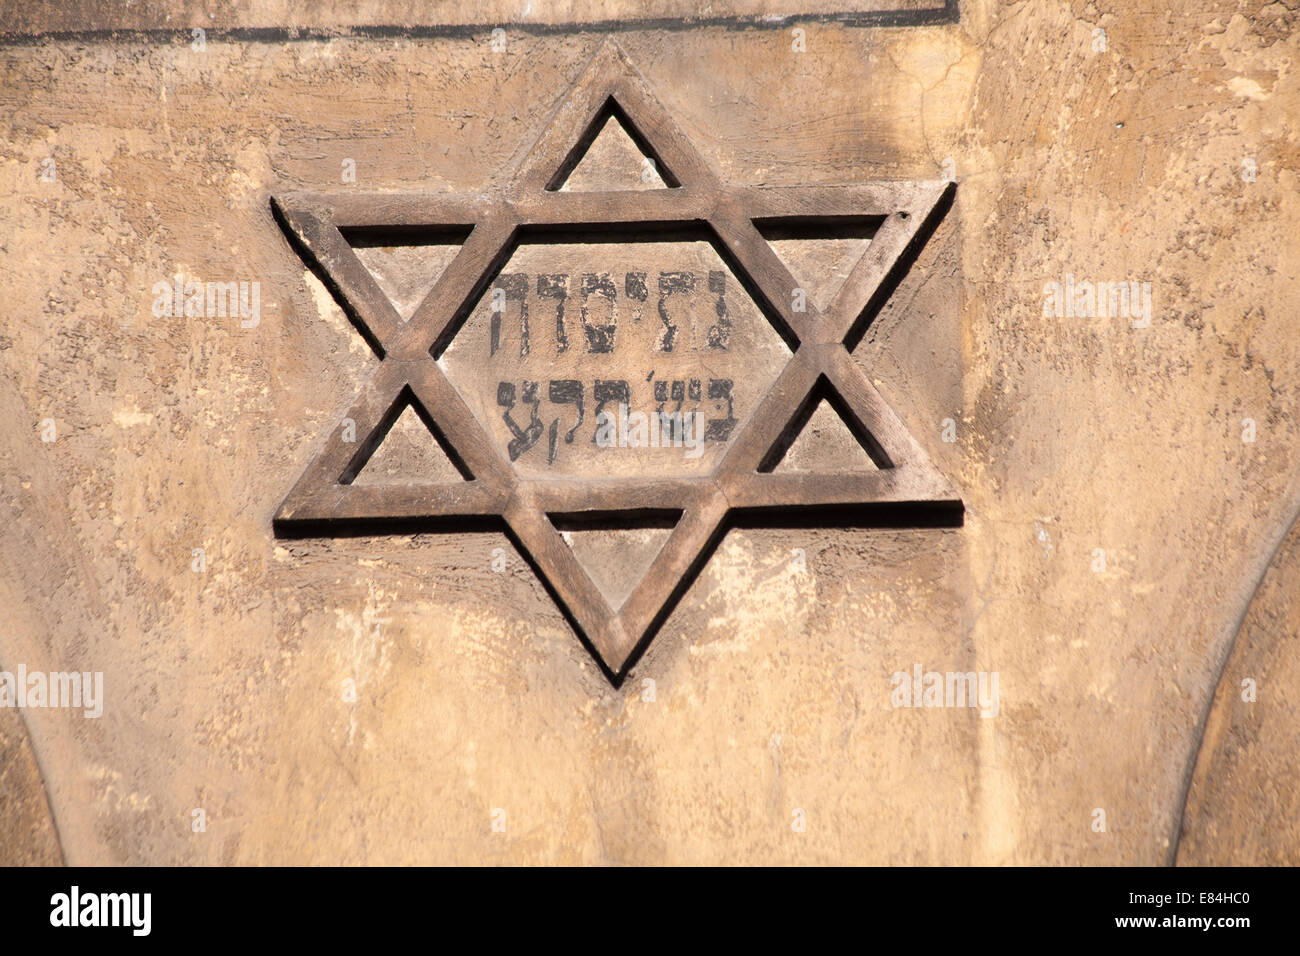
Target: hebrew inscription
point(636, 358)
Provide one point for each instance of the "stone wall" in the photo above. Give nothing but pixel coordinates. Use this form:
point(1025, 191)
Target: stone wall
point(1127, 490)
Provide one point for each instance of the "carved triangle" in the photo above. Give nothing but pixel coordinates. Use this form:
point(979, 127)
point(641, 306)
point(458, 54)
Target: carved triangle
point(824, 396)
point(819, 252)
point(904, 472)
point(609, 85)
point(334, 262)
point(406, 448)
point(616, 551)
point(895, 245)
point(824, 443)
point(327, 493)
point(406, 263)
point(608, 157)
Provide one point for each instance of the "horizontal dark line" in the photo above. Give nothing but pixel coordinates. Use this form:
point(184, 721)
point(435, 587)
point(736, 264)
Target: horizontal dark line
point(948, 13)
point(902, 515)
point(374, 527)
point(633, 518)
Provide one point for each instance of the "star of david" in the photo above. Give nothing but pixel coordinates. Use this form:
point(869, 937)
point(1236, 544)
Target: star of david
point(744, 483)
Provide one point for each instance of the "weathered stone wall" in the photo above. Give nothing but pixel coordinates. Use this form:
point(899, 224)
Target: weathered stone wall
point(1117, 522)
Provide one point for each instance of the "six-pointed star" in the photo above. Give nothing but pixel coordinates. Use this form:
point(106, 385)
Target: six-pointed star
point(325, 498)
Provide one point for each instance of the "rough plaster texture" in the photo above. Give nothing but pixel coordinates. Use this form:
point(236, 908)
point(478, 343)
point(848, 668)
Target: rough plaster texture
point(771, 684)
point(1244, 804)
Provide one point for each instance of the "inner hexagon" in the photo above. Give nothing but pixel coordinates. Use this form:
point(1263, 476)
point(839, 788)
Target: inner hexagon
point(586, 357)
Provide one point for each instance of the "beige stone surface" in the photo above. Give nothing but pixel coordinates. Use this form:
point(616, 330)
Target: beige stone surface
point(770, 703)
point(43, 16)
point(28, 837)
point(1243, 806)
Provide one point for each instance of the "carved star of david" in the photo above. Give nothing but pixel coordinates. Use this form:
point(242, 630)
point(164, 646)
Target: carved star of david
point(325, 500)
